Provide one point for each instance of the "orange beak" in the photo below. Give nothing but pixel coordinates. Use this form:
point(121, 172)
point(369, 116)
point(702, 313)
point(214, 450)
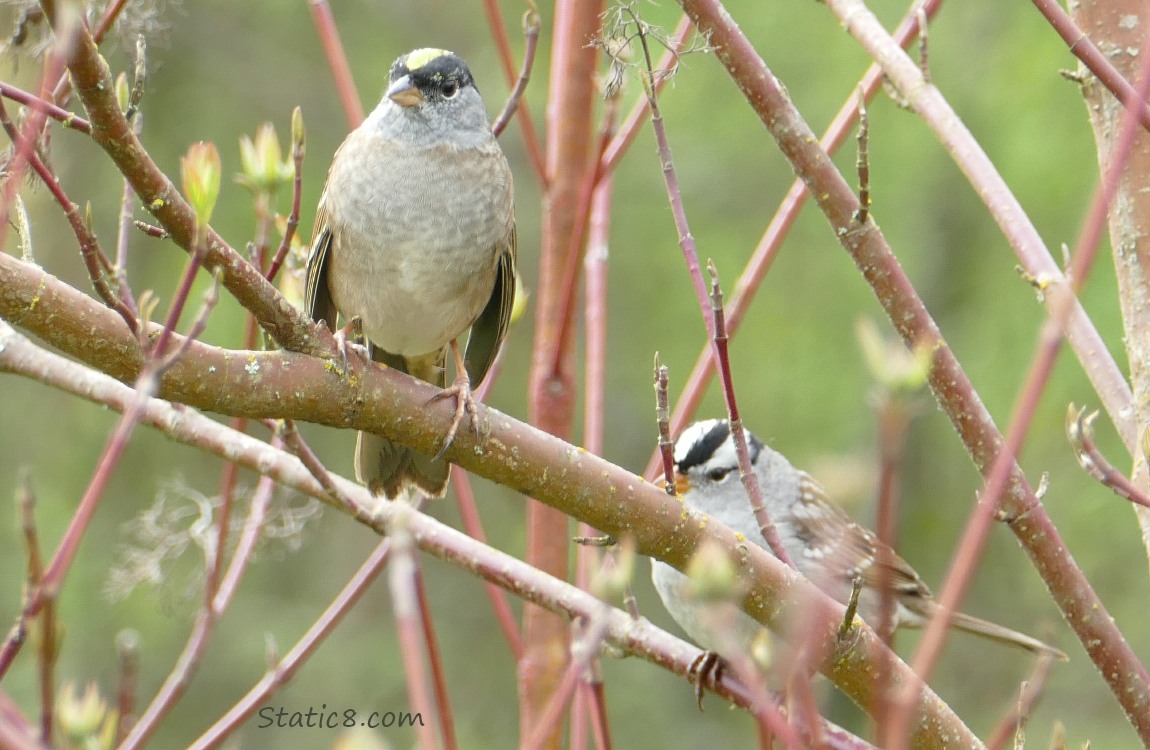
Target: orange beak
point(682, 484)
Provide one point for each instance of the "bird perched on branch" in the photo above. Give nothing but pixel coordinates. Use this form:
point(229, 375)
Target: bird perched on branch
point(821, 539)
point(415, 239)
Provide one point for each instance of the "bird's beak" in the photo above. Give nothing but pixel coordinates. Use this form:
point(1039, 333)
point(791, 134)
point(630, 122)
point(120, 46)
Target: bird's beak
point(404, 93)
point(682, 484)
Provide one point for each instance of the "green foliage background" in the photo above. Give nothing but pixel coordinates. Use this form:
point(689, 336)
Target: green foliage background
point(221, 68)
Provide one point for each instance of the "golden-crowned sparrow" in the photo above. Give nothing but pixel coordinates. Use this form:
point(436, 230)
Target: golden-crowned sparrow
point(415, 238)
point(823, 542)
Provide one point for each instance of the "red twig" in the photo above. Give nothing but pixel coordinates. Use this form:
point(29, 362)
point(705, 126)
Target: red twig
point(1013, 723)
point(598, 702)
point(746, 470)
point(299, 145)
point(127, 649)
point(63, 86)
point(474, 528)
point(33, 102)
point(967, 555)
point(583, 650)
point(401, 578)
point(325, 27)
point(1035, 531)
point(765, 252)
point(507, 61)
point(531, 26)
point(1085, 50)
point(286, 667)
point(435, 660)
point(588, 706)
point(575, 258)
point(928, 102)
point(214, 604)
point(25, 143)
point(296, 444)
point(631, 126)
point(571, 98)
point(96, 262)
point(671, 180)
point(663, 418)
point(1080, 431)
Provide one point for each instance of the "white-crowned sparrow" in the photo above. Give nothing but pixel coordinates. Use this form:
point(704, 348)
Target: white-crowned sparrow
point(824, 543)
point(415, 237)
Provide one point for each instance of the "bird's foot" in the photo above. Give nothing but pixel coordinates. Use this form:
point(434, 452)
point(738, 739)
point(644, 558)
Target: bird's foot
point(460, 390)
point(347, 339)
point(706, 671)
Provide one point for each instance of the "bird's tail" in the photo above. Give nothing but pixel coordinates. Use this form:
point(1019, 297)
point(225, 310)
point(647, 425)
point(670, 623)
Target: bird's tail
point(388, 468)
point(1005, 635)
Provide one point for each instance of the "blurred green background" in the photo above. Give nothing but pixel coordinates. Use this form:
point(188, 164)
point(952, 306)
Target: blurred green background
point(219, 69)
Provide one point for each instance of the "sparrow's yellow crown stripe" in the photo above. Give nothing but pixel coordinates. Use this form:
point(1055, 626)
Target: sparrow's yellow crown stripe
point(420, 57)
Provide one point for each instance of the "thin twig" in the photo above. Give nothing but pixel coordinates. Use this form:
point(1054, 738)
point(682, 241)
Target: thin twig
point(738, 434)
point(771, 241)
point(139, 80)
point(635, 119)
point(128, 677)
point(63, 116)
point(1080, 431)
point(670, 179)
point(574, 256)
point(1081, 46)
point(213, 607)
point(852, 609)
point(583, 650)
point(199, 323)
point(151, 229)
point(998, 476)
point(923, 45)
point(862, 163)
point(503, 47)
point(593, 685)
point(49, 641)
point(299, 146)
point(587, 709)
point(94, 258)
point(249, 536)
point(296, 444)
point(468, 511)
point(663, 420)
point(401, 579)
point(1014, 724)
point(435, 661)
point(285, 668)
point(1123, 671)
point(123, 238)
point(531, 26)
point(325, 27)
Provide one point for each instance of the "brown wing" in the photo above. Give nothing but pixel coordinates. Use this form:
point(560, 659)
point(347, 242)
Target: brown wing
point(489, 329)
point(317, 297)
point(850, 547)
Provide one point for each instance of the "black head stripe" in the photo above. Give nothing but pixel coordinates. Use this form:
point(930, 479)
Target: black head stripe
point(705, 446)
point(431, 74)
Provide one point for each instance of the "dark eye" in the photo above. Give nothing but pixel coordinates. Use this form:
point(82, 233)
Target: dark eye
point(450, 89)
point(718, 475)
